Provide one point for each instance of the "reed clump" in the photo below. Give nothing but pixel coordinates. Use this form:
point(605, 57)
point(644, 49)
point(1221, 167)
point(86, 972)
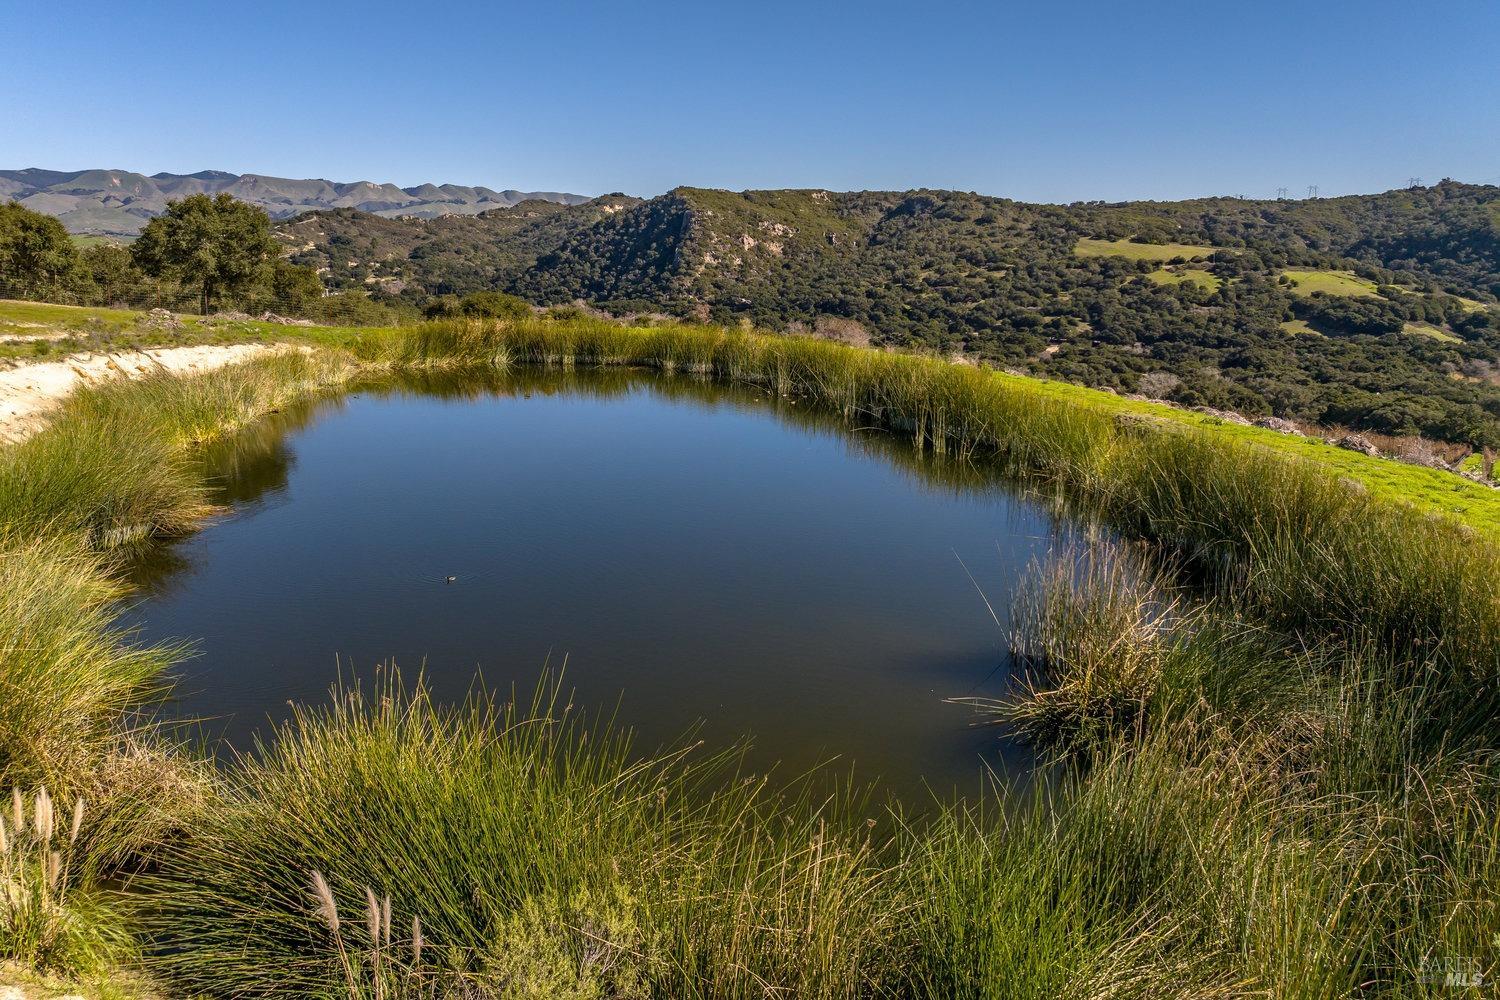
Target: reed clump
point(75, 699)
point(530, 848)
point(71, 681)
point(1269, 798)
point(1090, 631)
point(52, 919)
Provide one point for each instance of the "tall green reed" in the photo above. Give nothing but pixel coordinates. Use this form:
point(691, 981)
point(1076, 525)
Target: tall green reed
point(532, 848)
point(52, 918)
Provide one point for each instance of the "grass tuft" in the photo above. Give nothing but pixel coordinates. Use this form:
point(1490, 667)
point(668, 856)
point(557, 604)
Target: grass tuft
point(526, 846)
point(1090, 631)
point(53, 918)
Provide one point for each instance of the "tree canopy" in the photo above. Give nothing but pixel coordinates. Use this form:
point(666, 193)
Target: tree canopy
point(37, 255)
point(218, 245)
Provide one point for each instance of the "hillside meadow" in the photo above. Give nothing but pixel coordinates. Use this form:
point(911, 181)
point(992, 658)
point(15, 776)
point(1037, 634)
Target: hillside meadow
point(1132, 250)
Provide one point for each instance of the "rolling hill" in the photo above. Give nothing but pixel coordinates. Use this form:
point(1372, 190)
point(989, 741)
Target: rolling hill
point(1378, 311)
point(119, 202)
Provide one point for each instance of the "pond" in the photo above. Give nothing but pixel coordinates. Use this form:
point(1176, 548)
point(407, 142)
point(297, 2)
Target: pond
point(698, 559)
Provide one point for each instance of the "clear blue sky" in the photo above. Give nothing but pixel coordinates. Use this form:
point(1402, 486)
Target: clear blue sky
point(1038, 101)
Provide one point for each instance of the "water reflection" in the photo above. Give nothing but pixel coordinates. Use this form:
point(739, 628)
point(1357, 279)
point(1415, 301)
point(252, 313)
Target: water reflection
point(949, 473)
point(695, 551)
point(243, 471)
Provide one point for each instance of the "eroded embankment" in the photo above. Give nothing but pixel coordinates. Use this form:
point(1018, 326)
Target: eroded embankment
point(29, 392)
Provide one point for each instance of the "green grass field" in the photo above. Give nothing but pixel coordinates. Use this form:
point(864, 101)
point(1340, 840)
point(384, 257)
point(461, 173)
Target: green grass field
point(17, 317)
point(1329, 282)
point(1187, 276)
point(1299, 327)
point(100, 329)
point(1141, 251)
point(1433, 332)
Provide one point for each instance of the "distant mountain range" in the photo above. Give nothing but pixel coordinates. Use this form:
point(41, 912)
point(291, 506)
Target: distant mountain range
point(119, 202)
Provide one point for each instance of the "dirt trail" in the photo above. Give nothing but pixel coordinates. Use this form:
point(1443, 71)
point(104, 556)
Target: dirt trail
point(29, 391)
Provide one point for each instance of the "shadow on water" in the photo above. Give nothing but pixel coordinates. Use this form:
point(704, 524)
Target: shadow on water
point(243, 472)
point(932, 470)
point(818, 652)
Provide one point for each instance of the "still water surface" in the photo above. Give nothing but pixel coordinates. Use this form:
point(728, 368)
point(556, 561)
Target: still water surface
point(697, 555)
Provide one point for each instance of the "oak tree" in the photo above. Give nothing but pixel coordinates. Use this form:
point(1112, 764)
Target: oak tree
point(220, 245)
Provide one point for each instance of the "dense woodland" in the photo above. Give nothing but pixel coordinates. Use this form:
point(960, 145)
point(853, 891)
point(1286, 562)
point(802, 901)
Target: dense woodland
point(1409, 343)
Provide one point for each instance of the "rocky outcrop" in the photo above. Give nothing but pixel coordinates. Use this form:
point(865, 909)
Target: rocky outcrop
point(1356, 442)
point(1278, 424)
point(1228, 416)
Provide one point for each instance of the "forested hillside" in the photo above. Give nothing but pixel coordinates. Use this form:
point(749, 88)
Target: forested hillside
point(1376, 311)
point(453, 254)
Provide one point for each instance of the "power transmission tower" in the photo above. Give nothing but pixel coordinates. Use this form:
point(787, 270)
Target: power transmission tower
point(1414, 182)
point(1312, 190)
point(1281, 194)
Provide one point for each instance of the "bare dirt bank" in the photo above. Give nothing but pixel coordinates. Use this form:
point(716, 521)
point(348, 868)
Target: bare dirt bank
point(29, 391)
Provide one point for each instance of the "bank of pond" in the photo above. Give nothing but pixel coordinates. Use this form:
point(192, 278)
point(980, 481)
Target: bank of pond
point(692, 663)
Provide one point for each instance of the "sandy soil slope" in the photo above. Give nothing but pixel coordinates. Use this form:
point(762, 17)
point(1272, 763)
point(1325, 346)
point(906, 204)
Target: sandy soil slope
point(29, 391)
